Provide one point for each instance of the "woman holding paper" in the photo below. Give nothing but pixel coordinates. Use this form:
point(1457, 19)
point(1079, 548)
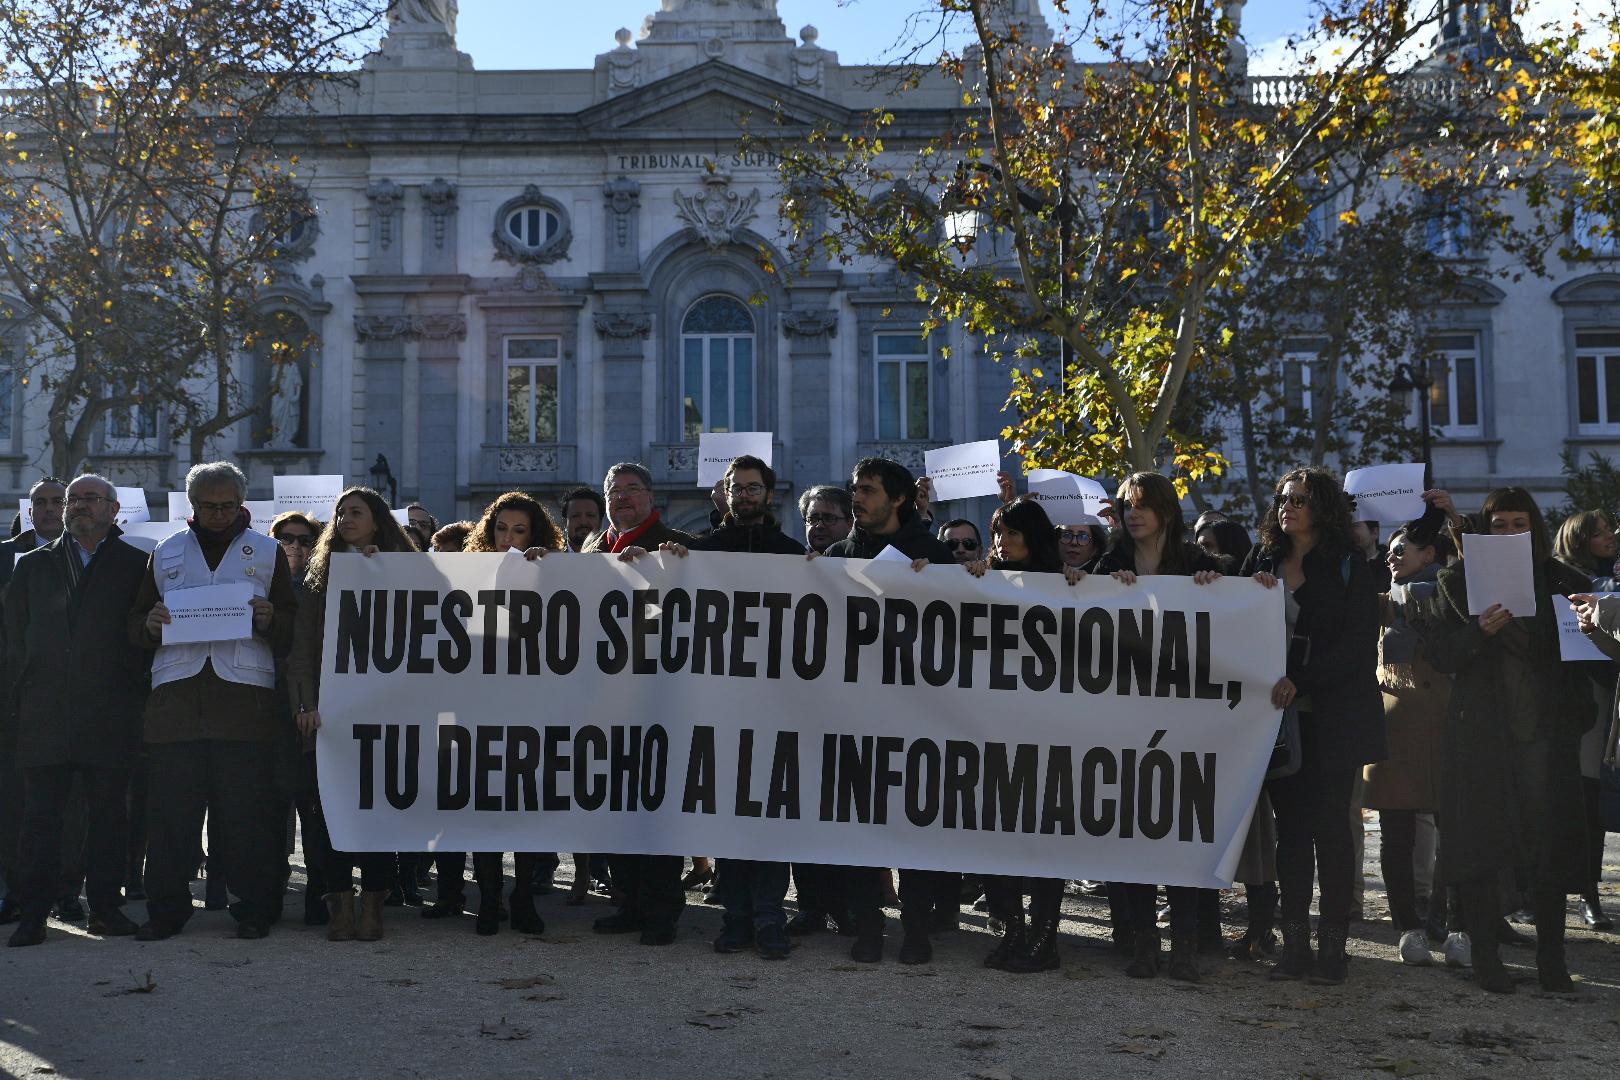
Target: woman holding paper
point(1510, 790)
point(1022, 537)
point(361, 522)
point(514, 522)
point(1332, 657)
point(1154, 541)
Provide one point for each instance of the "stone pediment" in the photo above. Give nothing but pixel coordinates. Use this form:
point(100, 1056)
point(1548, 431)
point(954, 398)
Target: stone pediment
point(711, 98)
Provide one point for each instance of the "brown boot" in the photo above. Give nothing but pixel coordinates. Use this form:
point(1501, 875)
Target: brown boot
point(339, 915)
point(370, 927)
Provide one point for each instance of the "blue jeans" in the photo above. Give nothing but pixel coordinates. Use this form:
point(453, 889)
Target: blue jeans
point(752, 892)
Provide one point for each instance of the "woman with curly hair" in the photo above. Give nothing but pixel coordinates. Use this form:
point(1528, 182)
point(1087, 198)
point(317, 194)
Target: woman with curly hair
point(363, 523)
point(1331, 602)
point(514, 520)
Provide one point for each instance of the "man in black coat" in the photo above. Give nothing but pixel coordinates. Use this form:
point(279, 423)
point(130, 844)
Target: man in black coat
point(883, 497)
point(44, 525)
point(751, 891)
point(78, 687)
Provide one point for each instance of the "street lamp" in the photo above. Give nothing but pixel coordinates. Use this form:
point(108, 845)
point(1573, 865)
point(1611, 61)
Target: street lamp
point(1409, 378)
point(381, 474)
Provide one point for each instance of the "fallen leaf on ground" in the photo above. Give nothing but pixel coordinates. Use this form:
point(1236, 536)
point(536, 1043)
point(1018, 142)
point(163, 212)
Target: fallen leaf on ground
point(141, 985)
point(502, 1031)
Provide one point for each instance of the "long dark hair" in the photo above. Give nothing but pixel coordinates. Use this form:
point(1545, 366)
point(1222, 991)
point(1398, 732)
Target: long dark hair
point(1158, 494)
point(390, 537)
point(1511, 500)
point(1027, 517)
point(1330, 515)
point(542, 529)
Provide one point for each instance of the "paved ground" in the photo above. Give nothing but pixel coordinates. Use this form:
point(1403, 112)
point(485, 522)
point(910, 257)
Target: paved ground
point(435, 1000)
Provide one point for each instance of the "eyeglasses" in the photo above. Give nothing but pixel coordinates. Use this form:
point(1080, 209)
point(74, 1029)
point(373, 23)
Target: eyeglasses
point(816, 520)
point(967, 544)
point(630, 491)
point(87, 500)
point(296, 540)
point(753, 491)
point(218, 507)
point(1074, 536)
point(1398, 550)
point(1298, 502)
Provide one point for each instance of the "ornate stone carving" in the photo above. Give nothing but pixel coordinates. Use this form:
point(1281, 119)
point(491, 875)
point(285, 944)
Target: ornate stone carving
point(909, 454)
point(623, 196)
point(681, 458)
point(381, 327)
point(440, 197)
point(439, 326)
point(717, 212)
point(809, 60)
point(527, 459)
point(810, 323)
point(550, 249)
point(384, 196)
point(624, 64)
point(623, 324)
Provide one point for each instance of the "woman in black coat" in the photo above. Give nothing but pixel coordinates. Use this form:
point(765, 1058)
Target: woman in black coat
point(1154, 541)
point(1332, 680)
point(1022, 537)
point(1510, 793)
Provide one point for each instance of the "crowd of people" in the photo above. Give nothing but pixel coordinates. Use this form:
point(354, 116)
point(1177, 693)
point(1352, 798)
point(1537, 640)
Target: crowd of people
point(123, 754)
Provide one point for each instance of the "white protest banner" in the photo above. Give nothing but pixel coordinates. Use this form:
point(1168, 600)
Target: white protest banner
point(1068, 499)
point(769, 707)
point(1572, 644)
point(261, 514)
point(964, 471)
point(717, 448)
point(146, 534)
point(132, 508)
point(1392, 493)
point(312, 495)
point(209, 613)
point(1499, 570)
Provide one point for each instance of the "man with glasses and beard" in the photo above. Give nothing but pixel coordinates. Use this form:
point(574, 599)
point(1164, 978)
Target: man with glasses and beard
point(751, 891)
point(962, 537)
point(826, 512)
point(78, 685)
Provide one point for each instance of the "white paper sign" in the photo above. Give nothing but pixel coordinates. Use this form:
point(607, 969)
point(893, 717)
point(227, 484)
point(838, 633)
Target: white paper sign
point(132, 508)
point(402, 516)
point(964, 471)
point(1499, 570)
point(146, 534)
point(890, 553)
point(717, 448)
point(312, 495)
point(26, 509)
point(1068, 499)
point(1572, 644)
point(179, 506)
point(262, 513)
point(209, 613)
point(1387, 492)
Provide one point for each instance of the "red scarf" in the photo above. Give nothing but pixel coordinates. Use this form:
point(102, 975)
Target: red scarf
point(618, 541)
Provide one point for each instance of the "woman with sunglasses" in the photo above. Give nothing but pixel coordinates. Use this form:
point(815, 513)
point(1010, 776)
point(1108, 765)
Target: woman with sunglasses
point(1023, 538)
point(1331, 603)
point(1154, 541)
point(361, 522)
point(1510, 794)
point(519, 521)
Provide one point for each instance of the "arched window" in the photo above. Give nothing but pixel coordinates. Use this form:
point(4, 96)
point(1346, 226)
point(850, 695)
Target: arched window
point(717, 367)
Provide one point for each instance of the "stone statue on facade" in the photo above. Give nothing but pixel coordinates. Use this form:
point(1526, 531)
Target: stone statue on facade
point(286, 405)
point(427, 14)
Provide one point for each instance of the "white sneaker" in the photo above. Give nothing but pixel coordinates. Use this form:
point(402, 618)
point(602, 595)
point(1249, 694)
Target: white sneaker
point(1415, 949)
point(1458, 949)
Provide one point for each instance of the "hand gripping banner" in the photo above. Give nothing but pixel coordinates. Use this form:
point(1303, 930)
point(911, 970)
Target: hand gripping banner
point(825, 711)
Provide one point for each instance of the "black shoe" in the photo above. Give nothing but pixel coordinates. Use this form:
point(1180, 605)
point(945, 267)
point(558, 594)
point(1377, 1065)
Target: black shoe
point(155, 931)
point(526, 920)
point(711, 896)
point(1296, 958)
point(445, 909)
point(736, 935)
point(772, 943)
point(30, 931)
point(1489, 974)
point(806, 923)
point(68, 909)
point(1592, 914)
point(916, 949)
point(135, 890)
point(1332, 964)
point(1551, 970)
point(10, 911)
point(111, 923)
point(945, 921)
point(252, 929)
point(868, 949)
point(544, 883)
point(1011, 943)
point(1144, 957)
point(315, 911)
point(409, 894)
point(1184, 960)
point(1506, 935)
point(659, 933)
point(395, 898)
point(489, 919)
point(1040, 949)
point(1124, 941)
point(620, 922)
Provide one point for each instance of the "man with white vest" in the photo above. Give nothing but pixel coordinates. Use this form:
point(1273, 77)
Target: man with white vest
point(212, 722)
